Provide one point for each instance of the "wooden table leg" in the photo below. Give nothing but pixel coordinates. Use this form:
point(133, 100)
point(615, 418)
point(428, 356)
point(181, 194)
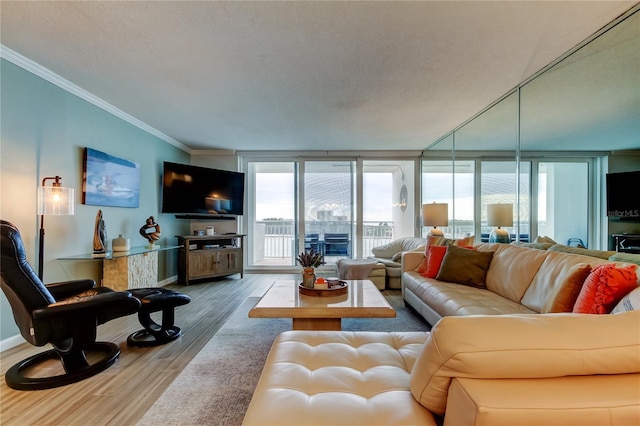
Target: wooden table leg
point(317, 324)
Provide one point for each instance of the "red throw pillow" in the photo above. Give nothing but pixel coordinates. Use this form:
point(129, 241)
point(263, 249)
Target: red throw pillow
point(604, 287)
point(435, 254)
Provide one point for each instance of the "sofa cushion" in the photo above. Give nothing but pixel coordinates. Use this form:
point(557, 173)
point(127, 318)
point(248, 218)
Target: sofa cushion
point(386, 262)
point(604, 287)
point(601, 254)
point(523, 346)
point(465, 266)
point(540, 243)
point(338, 378)
point(543, 239)
point(626, 257)
point(629, 302)
point(512, 269)
point(389, 250)
point(454, 299)
point(557, 284)
point(539, 246)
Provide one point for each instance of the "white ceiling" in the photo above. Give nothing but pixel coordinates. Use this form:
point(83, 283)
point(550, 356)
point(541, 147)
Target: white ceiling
point(300, 75)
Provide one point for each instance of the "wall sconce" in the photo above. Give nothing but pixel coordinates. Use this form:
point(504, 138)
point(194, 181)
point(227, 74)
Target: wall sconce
point(499, 215)
point(52, 200)
point(435, 214)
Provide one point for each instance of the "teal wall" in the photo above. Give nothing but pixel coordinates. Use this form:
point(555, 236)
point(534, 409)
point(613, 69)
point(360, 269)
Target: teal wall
point(43, 131)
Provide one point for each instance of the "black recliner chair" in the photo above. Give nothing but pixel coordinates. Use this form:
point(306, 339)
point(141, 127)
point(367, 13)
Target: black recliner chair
point(65, 314)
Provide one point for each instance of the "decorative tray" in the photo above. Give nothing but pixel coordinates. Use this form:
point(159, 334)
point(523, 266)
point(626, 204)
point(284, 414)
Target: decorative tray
point(334, 290)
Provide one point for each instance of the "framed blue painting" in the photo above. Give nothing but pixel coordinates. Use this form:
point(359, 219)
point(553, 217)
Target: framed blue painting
point(109, 181)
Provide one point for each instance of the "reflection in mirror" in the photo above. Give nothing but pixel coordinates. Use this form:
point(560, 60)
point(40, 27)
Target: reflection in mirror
point(437, 179)
point(587, 104)
point(493, 131)
point(590, 100)
point(581, 114)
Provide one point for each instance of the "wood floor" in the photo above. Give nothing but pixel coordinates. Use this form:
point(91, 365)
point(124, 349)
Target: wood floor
point(123, 393)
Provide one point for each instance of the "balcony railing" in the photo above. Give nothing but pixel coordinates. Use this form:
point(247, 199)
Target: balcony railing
point(278, 239)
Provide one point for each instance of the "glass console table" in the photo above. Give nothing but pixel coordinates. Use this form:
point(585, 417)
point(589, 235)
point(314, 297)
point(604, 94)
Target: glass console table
point(122, 270)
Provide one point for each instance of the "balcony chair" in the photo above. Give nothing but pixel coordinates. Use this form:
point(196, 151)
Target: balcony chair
point(312, 242)
point(65, 314)
point(337, 245)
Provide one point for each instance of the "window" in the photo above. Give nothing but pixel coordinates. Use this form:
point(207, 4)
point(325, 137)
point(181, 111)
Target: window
point(563, 202)
point(302, 204)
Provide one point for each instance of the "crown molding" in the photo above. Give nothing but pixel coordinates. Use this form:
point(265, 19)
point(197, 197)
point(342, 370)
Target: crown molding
point(53, 78)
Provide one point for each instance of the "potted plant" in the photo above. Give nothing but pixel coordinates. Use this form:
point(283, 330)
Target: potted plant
point(309, 260)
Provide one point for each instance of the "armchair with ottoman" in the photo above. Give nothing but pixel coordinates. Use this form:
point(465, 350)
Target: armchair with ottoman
point(65, 315)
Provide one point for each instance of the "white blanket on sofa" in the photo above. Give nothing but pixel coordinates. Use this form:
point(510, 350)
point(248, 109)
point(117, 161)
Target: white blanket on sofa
point(355, 269)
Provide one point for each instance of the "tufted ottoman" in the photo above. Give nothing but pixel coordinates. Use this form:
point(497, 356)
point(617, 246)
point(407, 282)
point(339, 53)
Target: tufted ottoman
point(339, 378)
point(155, 299)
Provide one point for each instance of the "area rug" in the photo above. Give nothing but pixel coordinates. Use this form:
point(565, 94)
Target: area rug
point(216, 387)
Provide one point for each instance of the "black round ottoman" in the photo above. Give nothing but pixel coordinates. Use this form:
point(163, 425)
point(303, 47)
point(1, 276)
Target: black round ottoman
point(153, 300)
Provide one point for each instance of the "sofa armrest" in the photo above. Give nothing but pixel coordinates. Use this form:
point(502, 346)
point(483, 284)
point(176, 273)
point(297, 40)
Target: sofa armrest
point(521, 347)
point(411, 260)
point(600, 399)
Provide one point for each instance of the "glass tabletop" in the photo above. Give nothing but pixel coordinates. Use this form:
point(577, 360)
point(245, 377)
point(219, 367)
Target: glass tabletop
point(118, 254)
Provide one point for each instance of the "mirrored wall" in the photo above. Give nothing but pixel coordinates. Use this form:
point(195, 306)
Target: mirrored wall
point(546, 146)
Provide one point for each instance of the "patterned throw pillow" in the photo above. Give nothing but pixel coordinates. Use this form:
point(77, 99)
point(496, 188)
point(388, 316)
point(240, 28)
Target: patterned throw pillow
point(604, 287)
point(630, 302)
point(443, 241)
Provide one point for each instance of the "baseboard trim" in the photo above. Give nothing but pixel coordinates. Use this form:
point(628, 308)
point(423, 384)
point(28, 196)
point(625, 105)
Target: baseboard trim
point(11, 342)
point(167, 281)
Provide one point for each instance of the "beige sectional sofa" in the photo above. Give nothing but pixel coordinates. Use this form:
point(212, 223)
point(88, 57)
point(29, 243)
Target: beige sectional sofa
point(560, 369)
point(519, 280)
point(491, 358)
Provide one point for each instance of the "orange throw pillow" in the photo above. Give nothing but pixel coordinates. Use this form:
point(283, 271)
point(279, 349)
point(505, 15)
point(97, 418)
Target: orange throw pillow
point(604, 287)
point(435, 254)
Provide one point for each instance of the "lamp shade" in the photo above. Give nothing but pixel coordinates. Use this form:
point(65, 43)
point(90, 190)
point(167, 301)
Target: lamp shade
point(499, 214)
point(55, 200)
point(435, 214)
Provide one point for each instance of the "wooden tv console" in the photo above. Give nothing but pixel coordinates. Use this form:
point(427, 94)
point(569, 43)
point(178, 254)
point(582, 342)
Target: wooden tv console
point(209, 256)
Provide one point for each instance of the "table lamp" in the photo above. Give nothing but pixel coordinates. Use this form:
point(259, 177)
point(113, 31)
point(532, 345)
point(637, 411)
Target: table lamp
point(499, 215)
point(435, 214)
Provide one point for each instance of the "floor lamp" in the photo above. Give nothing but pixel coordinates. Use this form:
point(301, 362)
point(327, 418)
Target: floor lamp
point(499, 215)
point(52, 200)
point(435, 214)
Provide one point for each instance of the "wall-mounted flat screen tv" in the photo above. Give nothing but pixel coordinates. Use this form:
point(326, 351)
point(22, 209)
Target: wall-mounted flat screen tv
point(194, 190)
point(622, 196)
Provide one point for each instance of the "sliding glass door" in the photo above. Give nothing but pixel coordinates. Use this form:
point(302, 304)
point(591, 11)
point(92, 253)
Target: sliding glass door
point(388, 202)
point(328, 206)
point(272, 211)
point(563, 202)
point(341, 208)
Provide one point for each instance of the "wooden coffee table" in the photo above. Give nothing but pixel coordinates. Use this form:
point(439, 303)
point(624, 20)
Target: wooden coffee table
point(283, 300)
